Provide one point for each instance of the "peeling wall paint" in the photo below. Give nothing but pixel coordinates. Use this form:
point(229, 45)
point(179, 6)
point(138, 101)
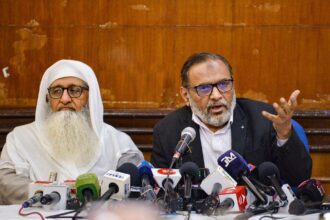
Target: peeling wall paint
point(108, 25)
point(28, 41)
point(140, 7)
point(64, 3)
point(268, 7)
point(3, 92)
point(255, 95)
point(322, 102)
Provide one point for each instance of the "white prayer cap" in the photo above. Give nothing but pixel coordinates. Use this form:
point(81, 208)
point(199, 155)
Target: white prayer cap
point(67, 68)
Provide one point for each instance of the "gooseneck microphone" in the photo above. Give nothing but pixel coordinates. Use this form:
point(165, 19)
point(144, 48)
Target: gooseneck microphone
point(269, 174)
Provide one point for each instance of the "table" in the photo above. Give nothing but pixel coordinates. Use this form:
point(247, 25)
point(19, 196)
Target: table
point(10, 212)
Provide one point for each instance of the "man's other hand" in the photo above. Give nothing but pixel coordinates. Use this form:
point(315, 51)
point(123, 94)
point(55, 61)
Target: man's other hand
point(285, 110)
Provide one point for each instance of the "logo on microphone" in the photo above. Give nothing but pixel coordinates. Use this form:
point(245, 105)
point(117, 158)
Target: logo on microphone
point(241, 199)
point(115, 174)
point(164, 171)
point(228, 159)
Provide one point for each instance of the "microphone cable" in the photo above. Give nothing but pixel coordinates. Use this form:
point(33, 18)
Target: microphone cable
point(30, 213)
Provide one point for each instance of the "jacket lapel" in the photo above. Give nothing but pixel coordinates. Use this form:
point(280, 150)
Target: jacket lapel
point(239, 131)
point(196, 154)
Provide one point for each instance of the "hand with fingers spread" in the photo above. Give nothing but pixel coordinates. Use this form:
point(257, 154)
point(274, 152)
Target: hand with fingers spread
point(285, 110)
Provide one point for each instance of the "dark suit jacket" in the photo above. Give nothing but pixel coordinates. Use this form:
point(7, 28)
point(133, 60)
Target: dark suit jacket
point(253, 136)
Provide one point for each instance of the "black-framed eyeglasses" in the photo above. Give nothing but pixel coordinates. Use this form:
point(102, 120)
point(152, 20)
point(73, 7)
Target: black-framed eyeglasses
point(223, 86)
point(73, 91)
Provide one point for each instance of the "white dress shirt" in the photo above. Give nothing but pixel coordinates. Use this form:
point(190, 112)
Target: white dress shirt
point(214, 144)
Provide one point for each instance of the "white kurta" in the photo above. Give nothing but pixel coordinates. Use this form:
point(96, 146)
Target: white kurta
point(25, 153)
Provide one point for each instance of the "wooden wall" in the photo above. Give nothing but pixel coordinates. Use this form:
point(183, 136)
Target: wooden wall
point(137, 48)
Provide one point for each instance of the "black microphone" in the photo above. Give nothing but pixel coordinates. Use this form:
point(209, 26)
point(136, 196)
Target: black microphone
point(50, 198)
point(298, 207)
point(234, 164)
point(269, 174)
point(227, 204)
point(187, 136)
point(212, 201)
point(269, 190)
point(131, 170)
point(189, 171)
point(34, 199)
point(311, 192)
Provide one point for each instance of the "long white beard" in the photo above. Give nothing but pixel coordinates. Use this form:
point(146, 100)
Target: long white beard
point(71, 137)
point(214, 120)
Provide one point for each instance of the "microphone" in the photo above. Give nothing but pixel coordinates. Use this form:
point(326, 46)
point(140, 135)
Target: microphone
point(33, 200)
point(219, 176)
point(212, 201)
point(298, 207)
point(88, 187)
point(50, 198)
point(146, 176)
point(270, 175)
point(212, 185)
point(160, 175)
point(269, 190)
point(187, 136)
point(172, 202)
point(233, 199)
point(116, 184)
point(132, 171)
point(236, 167)
point(310, 194)
point(189, 171)
point(311, 191)
point(35, 193)
point(54, 196)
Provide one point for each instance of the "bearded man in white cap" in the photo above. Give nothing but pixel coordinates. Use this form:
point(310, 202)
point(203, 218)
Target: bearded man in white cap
point(68, 136)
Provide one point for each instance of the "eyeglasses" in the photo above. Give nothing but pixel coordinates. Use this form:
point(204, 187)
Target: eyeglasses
point(206, 89)
point(73, 91)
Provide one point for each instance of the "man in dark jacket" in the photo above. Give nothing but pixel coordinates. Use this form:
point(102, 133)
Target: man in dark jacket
point(258, 131)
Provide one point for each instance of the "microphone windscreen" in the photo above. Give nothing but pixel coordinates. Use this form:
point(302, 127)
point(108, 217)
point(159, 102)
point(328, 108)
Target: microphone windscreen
point(131, 170)
point(145, 170)
point(191, 169)
point(234, 164)
point(87, 181)
point(296, 207)
point(189, 131)
point(310, 190)
point(266, 169)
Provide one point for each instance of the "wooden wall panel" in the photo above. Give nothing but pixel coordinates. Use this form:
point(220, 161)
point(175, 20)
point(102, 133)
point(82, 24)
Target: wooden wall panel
point(275, 46)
